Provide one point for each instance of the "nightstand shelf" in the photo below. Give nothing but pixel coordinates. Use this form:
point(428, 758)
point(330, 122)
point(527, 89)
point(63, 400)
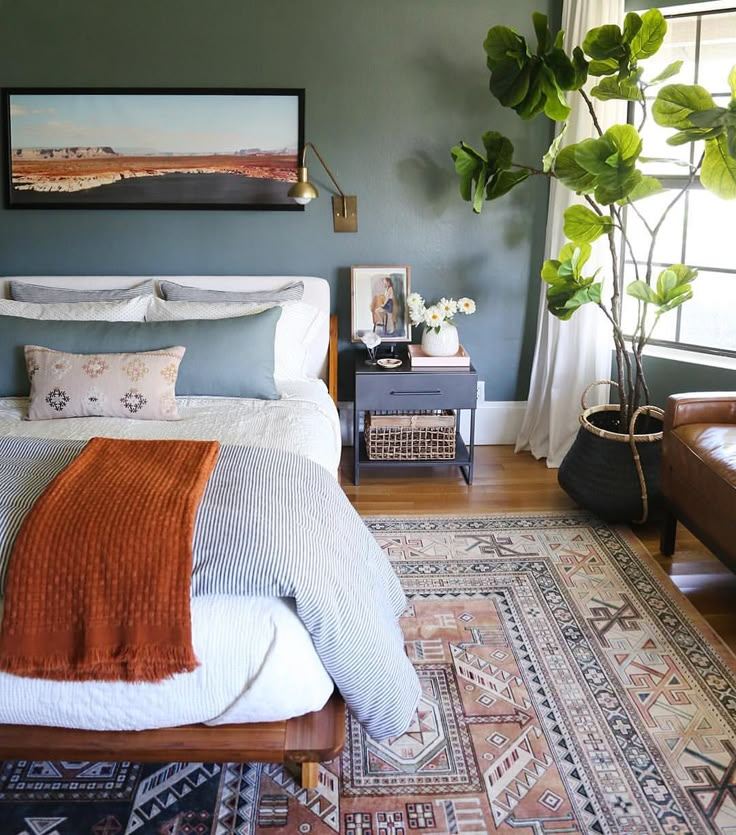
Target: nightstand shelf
point(414, 389)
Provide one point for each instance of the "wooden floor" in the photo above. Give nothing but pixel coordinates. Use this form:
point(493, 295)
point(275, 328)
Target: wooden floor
point(505, 481)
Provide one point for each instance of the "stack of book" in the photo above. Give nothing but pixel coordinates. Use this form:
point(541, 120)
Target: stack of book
point(418, 359)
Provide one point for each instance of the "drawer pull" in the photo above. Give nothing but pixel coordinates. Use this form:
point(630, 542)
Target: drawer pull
point(405, 393)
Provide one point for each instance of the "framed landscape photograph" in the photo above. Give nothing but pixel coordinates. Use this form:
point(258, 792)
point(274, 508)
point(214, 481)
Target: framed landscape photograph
point(152, 149)
point(378, 303)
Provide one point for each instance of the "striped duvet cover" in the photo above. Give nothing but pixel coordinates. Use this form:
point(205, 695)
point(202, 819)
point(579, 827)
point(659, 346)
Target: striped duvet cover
point(274, 523)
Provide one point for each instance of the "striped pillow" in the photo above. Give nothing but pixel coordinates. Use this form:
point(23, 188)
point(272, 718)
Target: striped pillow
point(127, 310)
point(173, 292)
point(21, 291)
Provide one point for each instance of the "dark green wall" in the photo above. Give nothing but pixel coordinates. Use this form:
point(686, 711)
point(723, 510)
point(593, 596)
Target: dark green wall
point(667, 377)
point(390, 87)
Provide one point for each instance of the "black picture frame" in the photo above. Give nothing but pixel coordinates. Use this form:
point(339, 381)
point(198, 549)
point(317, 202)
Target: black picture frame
point(152, 148)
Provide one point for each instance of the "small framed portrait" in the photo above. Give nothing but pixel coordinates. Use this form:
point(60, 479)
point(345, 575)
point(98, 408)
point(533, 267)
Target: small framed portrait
point(378, 299)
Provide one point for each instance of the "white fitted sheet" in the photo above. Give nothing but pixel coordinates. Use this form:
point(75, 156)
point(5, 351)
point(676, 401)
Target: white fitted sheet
point(257, 662)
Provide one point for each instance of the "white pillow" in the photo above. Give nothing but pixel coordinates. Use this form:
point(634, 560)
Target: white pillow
point(298, 327)
point(130, 310)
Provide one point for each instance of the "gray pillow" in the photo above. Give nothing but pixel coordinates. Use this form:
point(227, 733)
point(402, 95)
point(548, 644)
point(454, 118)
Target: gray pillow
point(173, 292)
point(21, 291)
point(225, 357)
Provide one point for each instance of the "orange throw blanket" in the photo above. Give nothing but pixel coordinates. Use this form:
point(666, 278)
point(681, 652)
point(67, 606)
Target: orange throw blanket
point(98, 584)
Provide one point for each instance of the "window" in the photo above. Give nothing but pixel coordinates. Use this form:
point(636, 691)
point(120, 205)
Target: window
point(700, 230)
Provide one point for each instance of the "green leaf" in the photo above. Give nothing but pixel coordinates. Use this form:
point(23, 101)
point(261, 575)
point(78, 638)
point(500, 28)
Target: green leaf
point(615, 188)
point(718, 173)
point(626, 140)
point(666, 283)
point(550, 271)
point(693, 135)
point(504, 182)
point(544, 36)
point(642, 291)
point(580, 65)
point(646, 187)
point(731, 141)
point(680, 298)
point(683, 273)
point(562, 68)
point(502, 43)
point(714, 117)
point(577, 253)
point(676, 102)
point(555, 105)
point(509, 82)
point(593, 155)
point(470, 167)
point(607, 67)
point(549, 159)
point(632, 25)
point(583, 225)
point(499, 151)
point(604, 43)
point(650, 36)
point(612, 88)
point(571, 173)
point(480, 185)
point(732, 82)
point(667, 72)
point(533, 102)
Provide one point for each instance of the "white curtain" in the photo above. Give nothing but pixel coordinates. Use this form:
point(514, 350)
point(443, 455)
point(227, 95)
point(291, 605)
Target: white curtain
point(570, 355)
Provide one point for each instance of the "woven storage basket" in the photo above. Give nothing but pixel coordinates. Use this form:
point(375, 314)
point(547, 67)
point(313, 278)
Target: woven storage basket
point(613, 473)
point(410, 437)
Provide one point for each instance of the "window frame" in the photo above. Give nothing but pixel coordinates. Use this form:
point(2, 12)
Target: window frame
point(675, 182)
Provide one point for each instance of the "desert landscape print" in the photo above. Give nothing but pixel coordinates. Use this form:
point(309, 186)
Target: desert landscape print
point(147, 149)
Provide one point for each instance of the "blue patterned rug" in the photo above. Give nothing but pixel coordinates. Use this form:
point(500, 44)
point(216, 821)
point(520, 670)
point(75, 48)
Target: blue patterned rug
point(568, 688)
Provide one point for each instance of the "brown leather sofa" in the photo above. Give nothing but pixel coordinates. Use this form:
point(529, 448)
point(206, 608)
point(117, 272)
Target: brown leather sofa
point(699, 471)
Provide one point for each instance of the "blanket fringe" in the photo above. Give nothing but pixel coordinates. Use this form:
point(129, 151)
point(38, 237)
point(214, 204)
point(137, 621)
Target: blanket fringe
point(149, 664)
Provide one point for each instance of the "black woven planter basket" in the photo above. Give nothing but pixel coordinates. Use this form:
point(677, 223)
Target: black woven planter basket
point(600, 473)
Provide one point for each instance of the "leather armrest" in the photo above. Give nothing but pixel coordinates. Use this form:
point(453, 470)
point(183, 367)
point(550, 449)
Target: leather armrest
point(700, 407)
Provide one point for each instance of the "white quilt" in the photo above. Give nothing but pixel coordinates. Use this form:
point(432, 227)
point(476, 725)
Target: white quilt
point(257, 661)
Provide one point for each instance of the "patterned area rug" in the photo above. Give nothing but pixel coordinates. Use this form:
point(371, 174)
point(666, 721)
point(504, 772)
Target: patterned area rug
point(568, 688)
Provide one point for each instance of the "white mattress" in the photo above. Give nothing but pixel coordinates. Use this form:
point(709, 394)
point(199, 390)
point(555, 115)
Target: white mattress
point(257, 661)
point(304, 421)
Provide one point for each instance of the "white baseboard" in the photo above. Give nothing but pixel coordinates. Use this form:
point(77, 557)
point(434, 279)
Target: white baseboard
point(496, 422)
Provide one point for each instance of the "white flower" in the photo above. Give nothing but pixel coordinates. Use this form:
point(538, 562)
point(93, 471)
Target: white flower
point(433, 316)
point(466, 306)
point(448, 307)
point(416, 313)
point(414, 300)
point(371, 339)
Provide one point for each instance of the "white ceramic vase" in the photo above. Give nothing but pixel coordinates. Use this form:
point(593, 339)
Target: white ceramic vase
point(442, 344)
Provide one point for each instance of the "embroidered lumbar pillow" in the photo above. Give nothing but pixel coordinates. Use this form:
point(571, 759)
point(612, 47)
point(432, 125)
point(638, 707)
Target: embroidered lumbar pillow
point(137, 385)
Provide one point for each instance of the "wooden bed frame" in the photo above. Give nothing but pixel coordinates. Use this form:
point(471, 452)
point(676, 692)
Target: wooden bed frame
point(303, 741)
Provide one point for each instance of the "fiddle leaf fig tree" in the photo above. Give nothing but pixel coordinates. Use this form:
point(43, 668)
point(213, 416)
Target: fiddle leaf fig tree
point(605, 171)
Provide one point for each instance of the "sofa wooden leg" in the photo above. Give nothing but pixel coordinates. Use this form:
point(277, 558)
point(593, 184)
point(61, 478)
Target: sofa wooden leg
point(667, 536)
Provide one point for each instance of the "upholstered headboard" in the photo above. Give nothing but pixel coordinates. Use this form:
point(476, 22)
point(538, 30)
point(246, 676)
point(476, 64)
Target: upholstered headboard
point(316, 293)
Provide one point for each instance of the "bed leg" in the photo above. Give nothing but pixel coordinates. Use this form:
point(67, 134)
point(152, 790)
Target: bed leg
point(310, 773)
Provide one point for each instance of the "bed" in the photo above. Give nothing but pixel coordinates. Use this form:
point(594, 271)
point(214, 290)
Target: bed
point(301, 422)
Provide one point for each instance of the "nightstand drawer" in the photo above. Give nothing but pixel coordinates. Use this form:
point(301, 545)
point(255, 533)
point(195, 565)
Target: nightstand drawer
point(406, 391)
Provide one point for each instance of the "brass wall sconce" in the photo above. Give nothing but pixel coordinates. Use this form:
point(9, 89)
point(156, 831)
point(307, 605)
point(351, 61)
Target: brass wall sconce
point(344, 207)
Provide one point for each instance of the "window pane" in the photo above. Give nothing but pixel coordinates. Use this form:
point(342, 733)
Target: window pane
point(709, 318)
point(655, 145)
point(679, 45)
point(717, 51)
point(668, 249)
point(710, 230)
